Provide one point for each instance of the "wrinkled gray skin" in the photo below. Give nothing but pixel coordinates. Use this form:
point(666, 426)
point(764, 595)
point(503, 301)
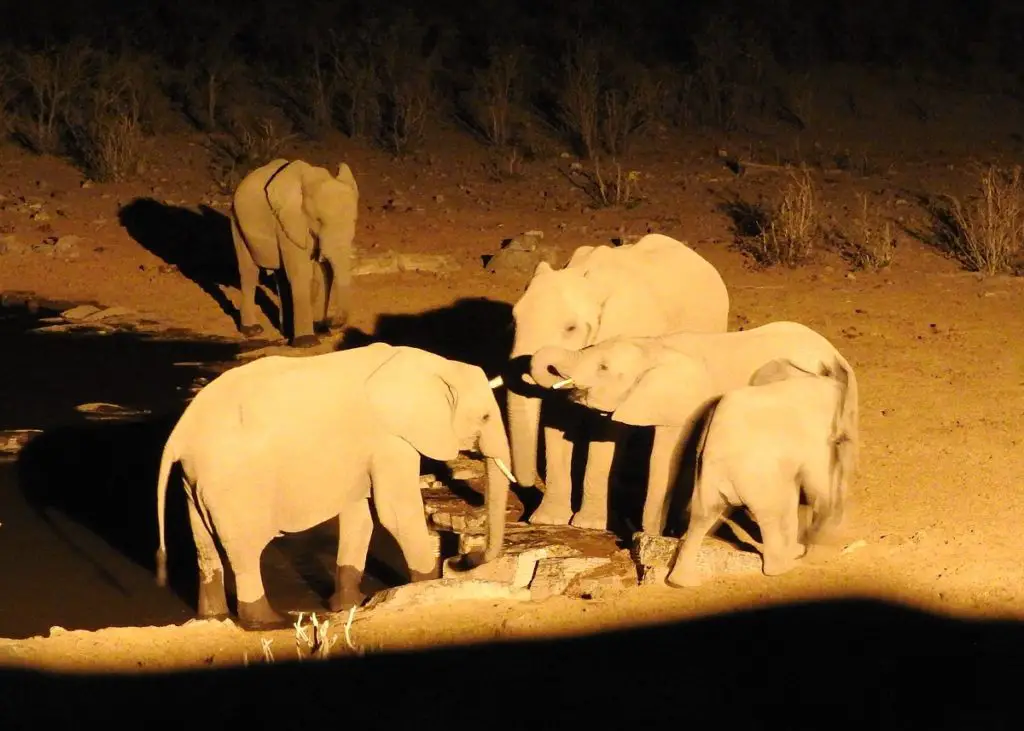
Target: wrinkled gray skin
point(281, 444)
point(654, 286)
point(789, 431)
point(669, 381)
point(296, 217)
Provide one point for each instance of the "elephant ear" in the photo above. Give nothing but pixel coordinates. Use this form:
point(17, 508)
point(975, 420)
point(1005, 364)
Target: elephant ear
point(629, 311)
point(667, 394)
point(415, 403)
point(284, 195)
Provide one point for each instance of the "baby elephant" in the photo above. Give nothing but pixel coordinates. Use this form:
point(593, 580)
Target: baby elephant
point(281, 444)
point(789, 429)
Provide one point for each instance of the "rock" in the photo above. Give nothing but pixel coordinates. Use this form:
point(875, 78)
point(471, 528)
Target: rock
point(522, 254)
point(13, 441)
point(437, 591)
point(653, 556)
point(553, 575)
point(11, 244)
point(435, 263)
point(79, 313)
point(68, 247)
point(383, 264)
point(100, 411)
point(618, 574)
point(108, 313)
point(514, 569)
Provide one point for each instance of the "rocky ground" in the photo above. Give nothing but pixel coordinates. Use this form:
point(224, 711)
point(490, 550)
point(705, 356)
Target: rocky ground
point(937, 352)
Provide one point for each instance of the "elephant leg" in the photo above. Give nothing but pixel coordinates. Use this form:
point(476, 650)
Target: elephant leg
point(213, 600)
point(299, 268)
point(706, 511)
point(777, 525)
point(399, 502)
point(339, 301)
point(355, 528)
point(593, 512)
point(248, 276)
point(556, 506)
point(318, 297)
point(663, 471)
point(243, 551)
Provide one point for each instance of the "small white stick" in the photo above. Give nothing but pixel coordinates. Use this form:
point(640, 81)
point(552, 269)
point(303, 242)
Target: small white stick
point(504, 469)
point(562, 384)
point(496, 382)
point(348, 628)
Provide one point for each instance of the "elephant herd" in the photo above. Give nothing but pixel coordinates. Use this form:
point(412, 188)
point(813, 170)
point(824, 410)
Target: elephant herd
point(634, 335)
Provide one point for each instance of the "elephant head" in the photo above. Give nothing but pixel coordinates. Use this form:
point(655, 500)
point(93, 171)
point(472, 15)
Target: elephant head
point(442, 407)
point(308, 202)
point(570, 308)
point(636, 381)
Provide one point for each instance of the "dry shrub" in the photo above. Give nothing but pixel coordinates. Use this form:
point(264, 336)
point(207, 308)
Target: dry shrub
point(246, 146)
point(787, 232)
point(870, 244)
point(496, 91)
point(605, 188)
point(987, 233)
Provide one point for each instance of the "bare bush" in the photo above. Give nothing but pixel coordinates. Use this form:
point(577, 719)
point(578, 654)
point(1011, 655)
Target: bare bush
point(628, 105)
point(986, 234)
point(107, 129)
point(358, 83)
point(497, 89)
point(605, 188)
point(245, 146)
point(52, 76)
point(870, 244)
point(580, 95)
point(406, 84)
point(787, 232)
point(212, 65)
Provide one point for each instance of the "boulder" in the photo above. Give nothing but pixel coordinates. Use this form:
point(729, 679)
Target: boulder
point(653, 556)
point(440, 591)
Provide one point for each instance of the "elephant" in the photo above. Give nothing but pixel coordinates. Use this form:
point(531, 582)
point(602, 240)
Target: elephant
point(295, 217)
point(669, 381)
point(651, 287)
point(788, 430)
point(283, 443)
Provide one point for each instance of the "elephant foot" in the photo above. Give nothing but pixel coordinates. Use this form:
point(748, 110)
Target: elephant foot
point(684, 578)
point(322, 327)
point(589, 520)
point(251, 331)
point(259, 615)
point(346, 589)
point(305, 341)
point(213, 601)
point(545, 514)
point(799, 550)
point(775, 566)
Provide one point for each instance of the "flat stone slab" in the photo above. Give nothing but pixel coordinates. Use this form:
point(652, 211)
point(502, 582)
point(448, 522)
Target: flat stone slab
point(13, 441)
point(654, 554)
point(437, 591)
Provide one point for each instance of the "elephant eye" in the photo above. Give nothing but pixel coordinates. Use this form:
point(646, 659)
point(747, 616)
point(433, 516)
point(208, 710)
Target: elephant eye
point(602, 366)
point(570, 328)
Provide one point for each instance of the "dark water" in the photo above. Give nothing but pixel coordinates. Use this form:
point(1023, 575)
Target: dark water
point(78, 505)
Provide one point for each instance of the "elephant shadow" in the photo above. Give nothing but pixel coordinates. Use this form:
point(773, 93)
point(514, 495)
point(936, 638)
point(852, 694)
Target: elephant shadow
point(198, 243)
point(103, 477)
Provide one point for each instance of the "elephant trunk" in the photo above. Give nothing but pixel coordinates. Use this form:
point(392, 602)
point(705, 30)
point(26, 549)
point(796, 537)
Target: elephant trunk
point(524, 428)
point(494, 447)
point(550, 365)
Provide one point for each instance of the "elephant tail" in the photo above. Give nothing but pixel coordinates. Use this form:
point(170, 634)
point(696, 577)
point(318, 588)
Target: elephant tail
point(167, 460)
point(845, 437)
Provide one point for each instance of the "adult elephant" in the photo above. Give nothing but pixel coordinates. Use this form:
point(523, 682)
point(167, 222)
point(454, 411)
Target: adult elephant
point(654, 286)
point(297, 218)
point(669, 381)
point(281, 444)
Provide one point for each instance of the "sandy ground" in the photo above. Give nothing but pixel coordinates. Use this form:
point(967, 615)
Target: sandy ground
point(936, 349)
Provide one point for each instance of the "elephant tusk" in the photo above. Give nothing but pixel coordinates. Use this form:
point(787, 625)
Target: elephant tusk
point(504, 469)
point(565, 382)
point(496, 382)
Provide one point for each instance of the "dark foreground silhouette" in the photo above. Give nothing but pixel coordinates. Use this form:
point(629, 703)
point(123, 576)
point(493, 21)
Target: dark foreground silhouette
point(842, 664)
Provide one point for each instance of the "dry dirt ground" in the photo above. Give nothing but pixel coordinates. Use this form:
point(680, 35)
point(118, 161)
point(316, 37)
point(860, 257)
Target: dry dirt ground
point(937, 349)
